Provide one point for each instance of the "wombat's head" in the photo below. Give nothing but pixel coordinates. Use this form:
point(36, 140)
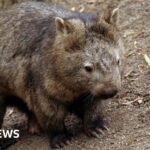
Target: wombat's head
point(87, 55)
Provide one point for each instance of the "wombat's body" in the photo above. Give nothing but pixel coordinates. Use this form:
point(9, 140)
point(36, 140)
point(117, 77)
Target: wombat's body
point(49, 57)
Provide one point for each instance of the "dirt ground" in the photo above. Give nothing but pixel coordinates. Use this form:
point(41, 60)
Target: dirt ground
point(127, 115)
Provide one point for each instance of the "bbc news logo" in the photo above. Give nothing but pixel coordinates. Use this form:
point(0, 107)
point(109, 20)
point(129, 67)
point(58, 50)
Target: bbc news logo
point(10, 133)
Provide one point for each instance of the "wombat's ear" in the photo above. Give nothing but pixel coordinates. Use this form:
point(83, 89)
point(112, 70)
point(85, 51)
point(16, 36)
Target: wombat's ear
point(111, 16)
point(63, 26)
point(114, 16)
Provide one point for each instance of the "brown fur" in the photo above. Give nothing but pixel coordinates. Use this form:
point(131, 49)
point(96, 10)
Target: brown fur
point(45, 58)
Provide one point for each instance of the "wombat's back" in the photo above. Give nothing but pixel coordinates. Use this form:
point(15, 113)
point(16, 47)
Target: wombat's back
point(57, 10)
point(24, 35)
point(20, 29)
point(24, 27)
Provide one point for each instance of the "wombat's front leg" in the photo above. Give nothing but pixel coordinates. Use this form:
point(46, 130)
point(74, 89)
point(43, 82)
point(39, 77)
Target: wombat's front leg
point(50, 116)
point(58, 133)
point(2, 110)
point(92, 119)
point(89, 110)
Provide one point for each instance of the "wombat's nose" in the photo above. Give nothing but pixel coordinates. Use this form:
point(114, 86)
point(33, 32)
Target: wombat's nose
point(103, 91)
point(110, 92)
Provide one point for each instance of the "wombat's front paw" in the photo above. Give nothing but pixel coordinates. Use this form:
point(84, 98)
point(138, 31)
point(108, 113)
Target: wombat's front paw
point(58, 141)
point(95, 127)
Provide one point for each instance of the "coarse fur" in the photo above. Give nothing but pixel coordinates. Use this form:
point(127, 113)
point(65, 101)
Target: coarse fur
point(53, 60)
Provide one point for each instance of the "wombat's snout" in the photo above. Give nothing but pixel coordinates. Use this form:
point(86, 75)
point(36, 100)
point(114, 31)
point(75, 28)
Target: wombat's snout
point(105, 91)
point(110, 92)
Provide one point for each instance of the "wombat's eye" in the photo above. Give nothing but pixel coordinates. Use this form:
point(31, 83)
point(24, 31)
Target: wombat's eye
point(88, 67)
point(118, 62)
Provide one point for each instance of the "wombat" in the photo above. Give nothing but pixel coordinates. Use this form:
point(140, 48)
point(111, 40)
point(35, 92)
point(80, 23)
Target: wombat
point(54, 61)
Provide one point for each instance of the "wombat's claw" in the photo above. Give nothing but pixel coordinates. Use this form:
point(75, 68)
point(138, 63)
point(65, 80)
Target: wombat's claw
point(106, 128)
point(97, 132)
point(100, 131)
point(96, 128)
point(60, 140)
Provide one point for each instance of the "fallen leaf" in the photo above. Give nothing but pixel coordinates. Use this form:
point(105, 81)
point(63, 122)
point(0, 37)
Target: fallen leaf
point(141, 67)
point(82, 9)
point(128, 73)
point(128, 33)
point(130, 53)
point(147, 59)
